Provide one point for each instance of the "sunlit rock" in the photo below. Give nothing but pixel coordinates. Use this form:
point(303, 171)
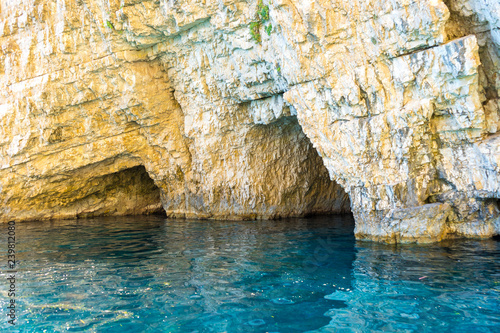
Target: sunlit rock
point(239, 115)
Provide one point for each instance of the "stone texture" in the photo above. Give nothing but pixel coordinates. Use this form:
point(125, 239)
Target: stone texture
point(426, 223)
point(85, 109)
point(399, 99)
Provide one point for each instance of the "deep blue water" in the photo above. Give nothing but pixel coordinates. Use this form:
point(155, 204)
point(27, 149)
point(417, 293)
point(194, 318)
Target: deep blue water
point(148, 274)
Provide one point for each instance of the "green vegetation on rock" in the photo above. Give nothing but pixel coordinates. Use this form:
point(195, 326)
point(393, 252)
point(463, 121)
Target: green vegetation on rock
point(110, 25)
point(262, 17)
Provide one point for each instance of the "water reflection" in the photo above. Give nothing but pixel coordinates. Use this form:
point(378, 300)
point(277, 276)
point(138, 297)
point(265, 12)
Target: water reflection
point(149, 274)
point(452, 286)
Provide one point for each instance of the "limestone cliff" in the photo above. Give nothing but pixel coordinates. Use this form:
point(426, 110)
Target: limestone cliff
point(254, 109)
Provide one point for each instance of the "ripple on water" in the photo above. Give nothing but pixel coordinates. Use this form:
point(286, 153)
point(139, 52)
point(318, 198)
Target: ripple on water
point(282, 301)
point(149, 274)
point(256, 322)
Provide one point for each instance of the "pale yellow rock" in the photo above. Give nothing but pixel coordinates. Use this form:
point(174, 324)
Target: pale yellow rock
point(90, 126)
point(395, 102)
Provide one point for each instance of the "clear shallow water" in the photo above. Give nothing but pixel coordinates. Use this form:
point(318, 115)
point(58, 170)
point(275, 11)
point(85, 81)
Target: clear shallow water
point(147, 274)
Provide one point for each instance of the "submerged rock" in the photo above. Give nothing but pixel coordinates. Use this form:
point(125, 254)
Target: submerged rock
point(125, 107)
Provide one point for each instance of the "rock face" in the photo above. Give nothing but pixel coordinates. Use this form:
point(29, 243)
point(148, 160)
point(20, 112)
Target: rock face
point(254, 109)
point(85, 112)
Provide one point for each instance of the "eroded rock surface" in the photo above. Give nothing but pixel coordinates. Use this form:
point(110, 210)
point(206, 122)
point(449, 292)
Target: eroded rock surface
point(83, 106)
point(398, 98)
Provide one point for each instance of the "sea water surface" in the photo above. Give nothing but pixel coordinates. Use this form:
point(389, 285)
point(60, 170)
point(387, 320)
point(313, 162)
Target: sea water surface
point(150, 274)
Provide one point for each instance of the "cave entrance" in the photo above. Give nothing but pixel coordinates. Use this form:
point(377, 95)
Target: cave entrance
point(143, 195)
point(127, 192)
point(331, 198)
point(294, 171)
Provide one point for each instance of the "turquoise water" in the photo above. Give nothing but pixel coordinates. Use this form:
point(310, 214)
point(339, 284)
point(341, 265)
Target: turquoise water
point(148, 274)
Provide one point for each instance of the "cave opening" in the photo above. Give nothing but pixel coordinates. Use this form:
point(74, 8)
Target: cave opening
point(295, 181)
point(127, 192)
point(330, 198)
point(339, 202)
